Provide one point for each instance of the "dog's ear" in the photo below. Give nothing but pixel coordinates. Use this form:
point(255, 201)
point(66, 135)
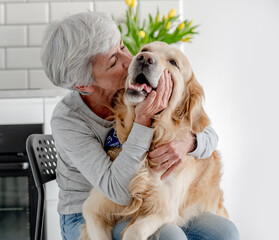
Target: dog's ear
point(191, 108)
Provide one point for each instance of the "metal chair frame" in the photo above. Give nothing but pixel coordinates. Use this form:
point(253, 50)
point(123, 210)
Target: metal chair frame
point(42, 156)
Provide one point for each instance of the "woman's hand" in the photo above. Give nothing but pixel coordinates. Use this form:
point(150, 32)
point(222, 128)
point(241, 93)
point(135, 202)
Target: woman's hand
point(156, 101)
point(167, 157)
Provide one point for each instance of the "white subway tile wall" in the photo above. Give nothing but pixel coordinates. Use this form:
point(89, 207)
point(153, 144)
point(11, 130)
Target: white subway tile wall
point(22, 23)
point(64, 9)
point(13, 36)
point(2, 59)
point(114, 8)
point(23, 58)
point(26, 13)
point(38, 79)
point(2, 14)
point(9, 79)
point(35, 34)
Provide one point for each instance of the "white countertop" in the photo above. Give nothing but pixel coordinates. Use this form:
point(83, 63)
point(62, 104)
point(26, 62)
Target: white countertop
point(32, 93)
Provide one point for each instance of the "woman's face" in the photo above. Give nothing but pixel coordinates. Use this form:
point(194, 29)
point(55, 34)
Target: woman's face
point(110, 70)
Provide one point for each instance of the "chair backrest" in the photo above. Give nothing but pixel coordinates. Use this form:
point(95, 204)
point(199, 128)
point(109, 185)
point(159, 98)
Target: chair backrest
point(42, 157)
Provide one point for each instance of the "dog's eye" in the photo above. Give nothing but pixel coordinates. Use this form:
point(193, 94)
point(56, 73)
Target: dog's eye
point(144, 50)
point(173, 62)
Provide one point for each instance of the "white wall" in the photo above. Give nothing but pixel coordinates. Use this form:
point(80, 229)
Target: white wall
point(236, 58)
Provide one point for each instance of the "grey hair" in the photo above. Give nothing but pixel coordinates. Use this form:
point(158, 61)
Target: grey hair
point(69, 46)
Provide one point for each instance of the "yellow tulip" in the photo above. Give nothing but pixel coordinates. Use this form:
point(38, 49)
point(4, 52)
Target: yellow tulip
point(142, 34)
point(185, 39)
point(133, 2)
point(190, 23)
point(168, 25)
point(181, 26)
point(172, 13)
point(128, 2)
point(157, 18)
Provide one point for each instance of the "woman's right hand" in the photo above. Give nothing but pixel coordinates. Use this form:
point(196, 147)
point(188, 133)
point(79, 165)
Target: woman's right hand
point(156, 101)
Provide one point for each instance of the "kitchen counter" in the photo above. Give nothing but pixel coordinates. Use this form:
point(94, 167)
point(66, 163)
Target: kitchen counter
point(32, 93)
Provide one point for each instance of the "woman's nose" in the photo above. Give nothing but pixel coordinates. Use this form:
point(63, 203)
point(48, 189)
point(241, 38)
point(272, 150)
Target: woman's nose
point(127, 61)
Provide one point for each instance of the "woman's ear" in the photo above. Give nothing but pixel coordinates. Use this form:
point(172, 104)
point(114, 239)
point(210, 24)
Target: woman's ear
point(191, 108)
point(87, 89)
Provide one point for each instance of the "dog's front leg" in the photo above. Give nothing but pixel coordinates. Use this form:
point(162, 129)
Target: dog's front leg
point(143, 227)
point(98, 212)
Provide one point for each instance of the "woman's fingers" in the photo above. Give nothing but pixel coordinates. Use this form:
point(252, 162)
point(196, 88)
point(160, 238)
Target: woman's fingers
point(170, 169)
point(158, 152)
point(155, 101)
point(164, 90)
point(161, 86)
point(166, 157)
point(150, 99)
point(144, 111)
point(168, 91)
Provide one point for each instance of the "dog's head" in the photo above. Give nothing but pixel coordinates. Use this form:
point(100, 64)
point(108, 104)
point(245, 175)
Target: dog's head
point(144, 74)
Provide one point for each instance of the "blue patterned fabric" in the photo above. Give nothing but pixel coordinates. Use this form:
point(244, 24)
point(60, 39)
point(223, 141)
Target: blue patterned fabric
point(112, 140)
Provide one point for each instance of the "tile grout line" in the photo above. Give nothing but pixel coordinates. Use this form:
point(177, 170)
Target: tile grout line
point(49, 9)
point(28, 78)
point(5, 14)
point(27, 35)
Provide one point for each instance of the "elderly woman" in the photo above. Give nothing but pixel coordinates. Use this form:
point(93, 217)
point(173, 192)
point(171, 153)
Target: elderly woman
point(85, 53)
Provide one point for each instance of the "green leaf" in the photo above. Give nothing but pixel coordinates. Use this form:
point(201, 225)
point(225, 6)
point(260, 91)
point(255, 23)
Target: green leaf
point(120, 28)
point(150, 19)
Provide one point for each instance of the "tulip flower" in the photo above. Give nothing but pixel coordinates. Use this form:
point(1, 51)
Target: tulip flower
point(168, 25)
point(171, 13)
point(133, 3)
point(128, 2)
point(181, 26)
point(185, 39)
point(142, 34)
point(157, 18)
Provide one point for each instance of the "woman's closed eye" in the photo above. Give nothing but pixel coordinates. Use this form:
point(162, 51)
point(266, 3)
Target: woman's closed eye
point(113, 64)
point(123, 47)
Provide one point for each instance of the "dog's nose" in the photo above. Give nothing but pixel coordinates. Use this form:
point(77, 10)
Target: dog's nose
point(145, 59)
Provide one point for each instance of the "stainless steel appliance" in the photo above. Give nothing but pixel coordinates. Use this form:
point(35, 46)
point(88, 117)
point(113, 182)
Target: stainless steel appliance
point(18, 195)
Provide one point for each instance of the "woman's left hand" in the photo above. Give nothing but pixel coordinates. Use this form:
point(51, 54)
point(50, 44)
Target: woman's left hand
point(168, 156)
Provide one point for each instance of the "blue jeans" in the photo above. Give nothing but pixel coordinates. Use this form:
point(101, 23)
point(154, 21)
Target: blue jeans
point(205, 227)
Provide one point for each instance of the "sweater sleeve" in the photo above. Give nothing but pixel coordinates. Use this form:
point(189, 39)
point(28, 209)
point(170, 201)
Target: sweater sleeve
point(87, 155)
point(206, 143)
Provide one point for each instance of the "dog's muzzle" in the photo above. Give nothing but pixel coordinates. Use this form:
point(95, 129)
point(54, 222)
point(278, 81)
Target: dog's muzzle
point(146, 60)
point(140, 79)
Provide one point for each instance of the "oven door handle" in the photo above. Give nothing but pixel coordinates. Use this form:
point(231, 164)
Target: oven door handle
point(14, 166)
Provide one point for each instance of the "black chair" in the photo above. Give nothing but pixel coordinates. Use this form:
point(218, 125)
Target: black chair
point(42, 157)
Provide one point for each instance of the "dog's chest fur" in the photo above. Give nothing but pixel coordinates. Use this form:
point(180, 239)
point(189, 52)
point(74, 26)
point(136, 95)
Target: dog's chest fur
point(157, 190)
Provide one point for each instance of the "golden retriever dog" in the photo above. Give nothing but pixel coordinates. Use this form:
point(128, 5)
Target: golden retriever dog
point(193, 187)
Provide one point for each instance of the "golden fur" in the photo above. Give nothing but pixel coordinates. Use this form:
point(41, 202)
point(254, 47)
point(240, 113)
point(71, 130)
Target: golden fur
point(193, 188)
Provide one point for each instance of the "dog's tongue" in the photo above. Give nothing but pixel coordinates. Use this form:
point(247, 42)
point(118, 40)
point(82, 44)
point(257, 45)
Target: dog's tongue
point(147, 88)
point(140, 87)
